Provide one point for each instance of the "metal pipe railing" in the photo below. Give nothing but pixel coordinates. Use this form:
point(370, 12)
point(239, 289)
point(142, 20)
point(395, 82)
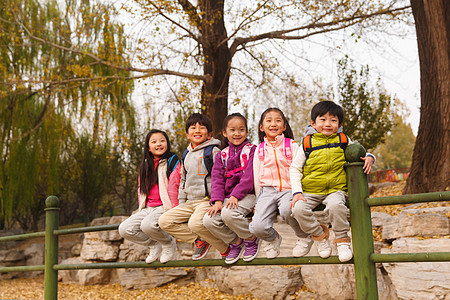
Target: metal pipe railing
point(364, 257)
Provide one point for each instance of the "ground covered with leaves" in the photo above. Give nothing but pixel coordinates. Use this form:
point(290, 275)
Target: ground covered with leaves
point(22, 288)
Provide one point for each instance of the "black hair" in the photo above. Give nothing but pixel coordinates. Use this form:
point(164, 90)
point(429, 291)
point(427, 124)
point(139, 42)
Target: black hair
point(324, 107)
point(148, 174)
point(287, 133)
point(198, 118)
point(225, 124)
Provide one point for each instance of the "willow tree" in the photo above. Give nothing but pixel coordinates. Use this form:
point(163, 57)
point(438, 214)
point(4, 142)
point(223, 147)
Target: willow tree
point(209, 41)
point(53, 79)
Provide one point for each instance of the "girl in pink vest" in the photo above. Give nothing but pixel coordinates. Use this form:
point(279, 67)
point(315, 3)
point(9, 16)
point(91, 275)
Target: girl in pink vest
point(271, 164)
point(159, 178)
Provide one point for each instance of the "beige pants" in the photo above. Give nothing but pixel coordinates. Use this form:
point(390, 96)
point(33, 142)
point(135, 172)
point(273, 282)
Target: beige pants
point(186, 223)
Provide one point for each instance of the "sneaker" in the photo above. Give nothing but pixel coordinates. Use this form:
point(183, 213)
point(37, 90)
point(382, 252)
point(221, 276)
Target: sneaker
point(251, 249)
point(225, 254)
point(273, 247)
point(344, 251)
point(201, 249)
point(324, 248)
point(168, 252)
point(302, 247)
point(155, 252)
point(235, 253)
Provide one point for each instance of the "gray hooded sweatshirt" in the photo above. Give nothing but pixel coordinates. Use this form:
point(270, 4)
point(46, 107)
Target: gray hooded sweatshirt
point(192, 183)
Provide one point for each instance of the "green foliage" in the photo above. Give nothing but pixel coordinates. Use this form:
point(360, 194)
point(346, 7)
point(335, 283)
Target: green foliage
point(368, 114)
point(396, 151)
point(54, 85)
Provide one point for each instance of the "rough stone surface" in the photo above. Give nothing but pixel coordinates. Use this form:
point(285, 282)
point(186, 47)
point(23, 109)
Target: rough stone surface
point(422, 280)
point(379, 219)
point(150, 278)
point(94, 249)
point(97, 276)
point(70, 276)
point(263, 282)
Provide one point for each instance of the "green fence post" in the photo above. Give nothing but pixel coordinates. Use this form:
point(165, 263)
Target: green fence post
point(51, 248)
point(361, 223)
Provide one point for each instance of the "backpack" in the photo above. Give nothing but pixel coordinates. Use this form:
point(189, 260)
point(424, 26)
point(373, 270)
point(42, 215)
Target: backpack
point(207, 160)
point(172, 164)
point(306, 144)
point(245, 154)
point(287, 149)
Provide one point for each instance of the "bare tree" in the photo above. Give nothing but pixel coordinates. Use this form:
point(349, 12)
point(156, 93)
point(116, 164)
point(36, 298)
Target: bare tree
point(430, 170)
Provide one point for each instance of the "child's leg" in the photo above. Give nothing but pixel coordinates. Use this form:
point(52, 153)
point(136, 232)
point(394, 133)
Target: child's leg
point(130, 229)
point(284, 206)
point(335, 206)
point(175, 221)
point(235, 218)
point(265, 214)
point(304, 215)
point(196, 226)
point(151, 227)
point(215, 225)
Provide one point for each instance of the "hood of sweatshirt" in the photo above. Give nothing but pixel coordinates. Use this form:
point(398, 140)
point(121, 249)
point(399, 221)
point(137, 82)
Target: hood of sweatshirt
point(210, 141)
point(311, 130)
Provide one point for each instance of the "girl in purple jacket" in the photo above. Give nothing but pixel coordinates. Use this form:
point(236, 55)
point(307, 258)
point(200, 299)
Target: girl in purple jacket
point(232, 192)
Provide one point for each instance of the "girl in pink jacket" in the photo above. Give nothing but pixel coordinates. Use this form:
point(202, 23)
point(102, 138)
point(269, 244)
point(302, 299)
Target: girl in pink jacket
point(271, 164)
point(159, 179)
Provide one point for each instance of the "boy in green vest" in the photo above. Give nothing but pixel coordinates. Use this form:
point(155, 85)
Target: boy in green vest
point(318, 176)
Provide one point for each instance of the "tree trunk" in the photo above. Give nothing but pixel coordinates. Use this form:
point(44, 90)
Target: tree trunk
point(216, 65)
point(430, 169)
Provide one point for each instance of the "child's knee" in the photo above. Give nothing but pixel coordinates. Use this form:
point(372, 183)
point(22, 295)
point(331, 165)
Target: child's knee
point(208, 221)
point(149, 226)
point(123, 230)
point(228, 215)
point(164, 221)
point(196, 225)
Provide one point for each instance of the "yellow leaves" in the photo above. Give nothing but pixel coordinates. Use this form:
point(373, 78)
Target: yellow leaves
point(80, 70)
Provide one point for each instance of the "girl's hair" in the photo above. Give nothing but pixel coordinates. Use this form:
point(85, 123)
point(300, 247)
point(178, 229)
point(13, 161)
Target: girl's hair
point(225, 124)
point(148, 175)
point(287, 133)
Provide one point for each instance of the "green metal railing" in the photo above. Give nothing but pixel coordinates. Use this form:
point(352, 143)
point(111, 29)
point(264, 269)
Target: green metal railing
point(363, 248)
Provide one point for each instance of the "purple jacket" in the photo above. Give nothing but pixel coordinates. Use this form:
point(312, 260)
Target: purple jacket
point(240, 183)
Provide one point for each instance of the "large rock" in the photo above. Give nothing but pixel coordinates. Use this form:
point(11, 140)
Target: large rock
point(418, 222)
point(94, 276)
point(148, 278)
point(263, 282)
point(70, 276)
point(94, 249)
point(107, 235)
point(422, 280)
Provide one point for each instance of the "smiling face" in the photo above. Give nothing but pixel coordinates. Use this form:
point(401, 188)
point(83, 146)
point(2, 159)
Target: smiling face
point(326, 124)
point(272, 125)
point(197, 134)
point(235, 132)
point(157, 144)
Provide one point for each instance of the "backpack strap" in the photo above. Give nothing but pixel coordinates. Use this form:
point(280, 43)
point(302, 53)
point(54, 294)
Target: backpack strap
point(306, 144)
point(288, 149)
point(343, 142)
point(208, 160)
point(224, 154)
point(261, 151)
point(244, 156)
point(172, 164)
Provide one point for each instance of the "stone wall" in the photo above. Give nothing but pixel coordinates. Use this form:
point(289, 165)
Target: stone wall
point(414, 230)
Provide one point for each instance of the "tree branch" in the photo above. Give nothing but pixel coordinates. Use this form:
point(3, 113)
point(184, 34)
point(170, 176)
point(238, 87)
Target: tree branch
point(281, 34)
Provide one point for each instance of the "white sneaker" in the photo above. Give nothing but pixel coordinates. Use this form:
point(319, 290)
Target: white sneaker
point(168, 252)
point(155, 252)
point(344, 251)
point(302, 247)
point(324, 248)
point(273, 247)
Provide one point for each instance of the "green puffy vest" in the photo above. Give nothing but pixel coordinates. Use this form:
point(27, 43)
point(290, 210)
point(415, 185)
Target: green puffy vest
point(323, 172)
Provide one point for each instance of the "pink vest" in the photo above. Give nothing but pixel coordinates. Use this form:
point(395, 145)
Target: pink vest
point(276, 158)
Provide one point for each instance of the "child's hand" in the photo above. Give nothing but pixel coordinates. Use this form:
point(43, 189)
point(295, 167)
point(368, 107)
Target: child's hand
point(232, 202)
point(368, 163)
point(217, 207)
point(297, 197)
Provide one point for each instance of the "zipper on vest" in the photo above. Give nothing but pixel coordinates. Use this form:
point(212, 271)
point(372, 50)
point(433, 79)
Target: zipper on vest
point(278, 168)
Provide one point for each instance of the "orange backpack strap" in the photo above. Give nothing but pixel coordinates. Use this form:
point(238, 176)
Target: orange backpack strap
point(306, 144)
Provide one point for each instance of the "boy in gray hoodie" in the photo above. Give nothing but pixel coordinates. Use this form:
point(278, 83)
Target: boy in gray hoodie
point(186, 220)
